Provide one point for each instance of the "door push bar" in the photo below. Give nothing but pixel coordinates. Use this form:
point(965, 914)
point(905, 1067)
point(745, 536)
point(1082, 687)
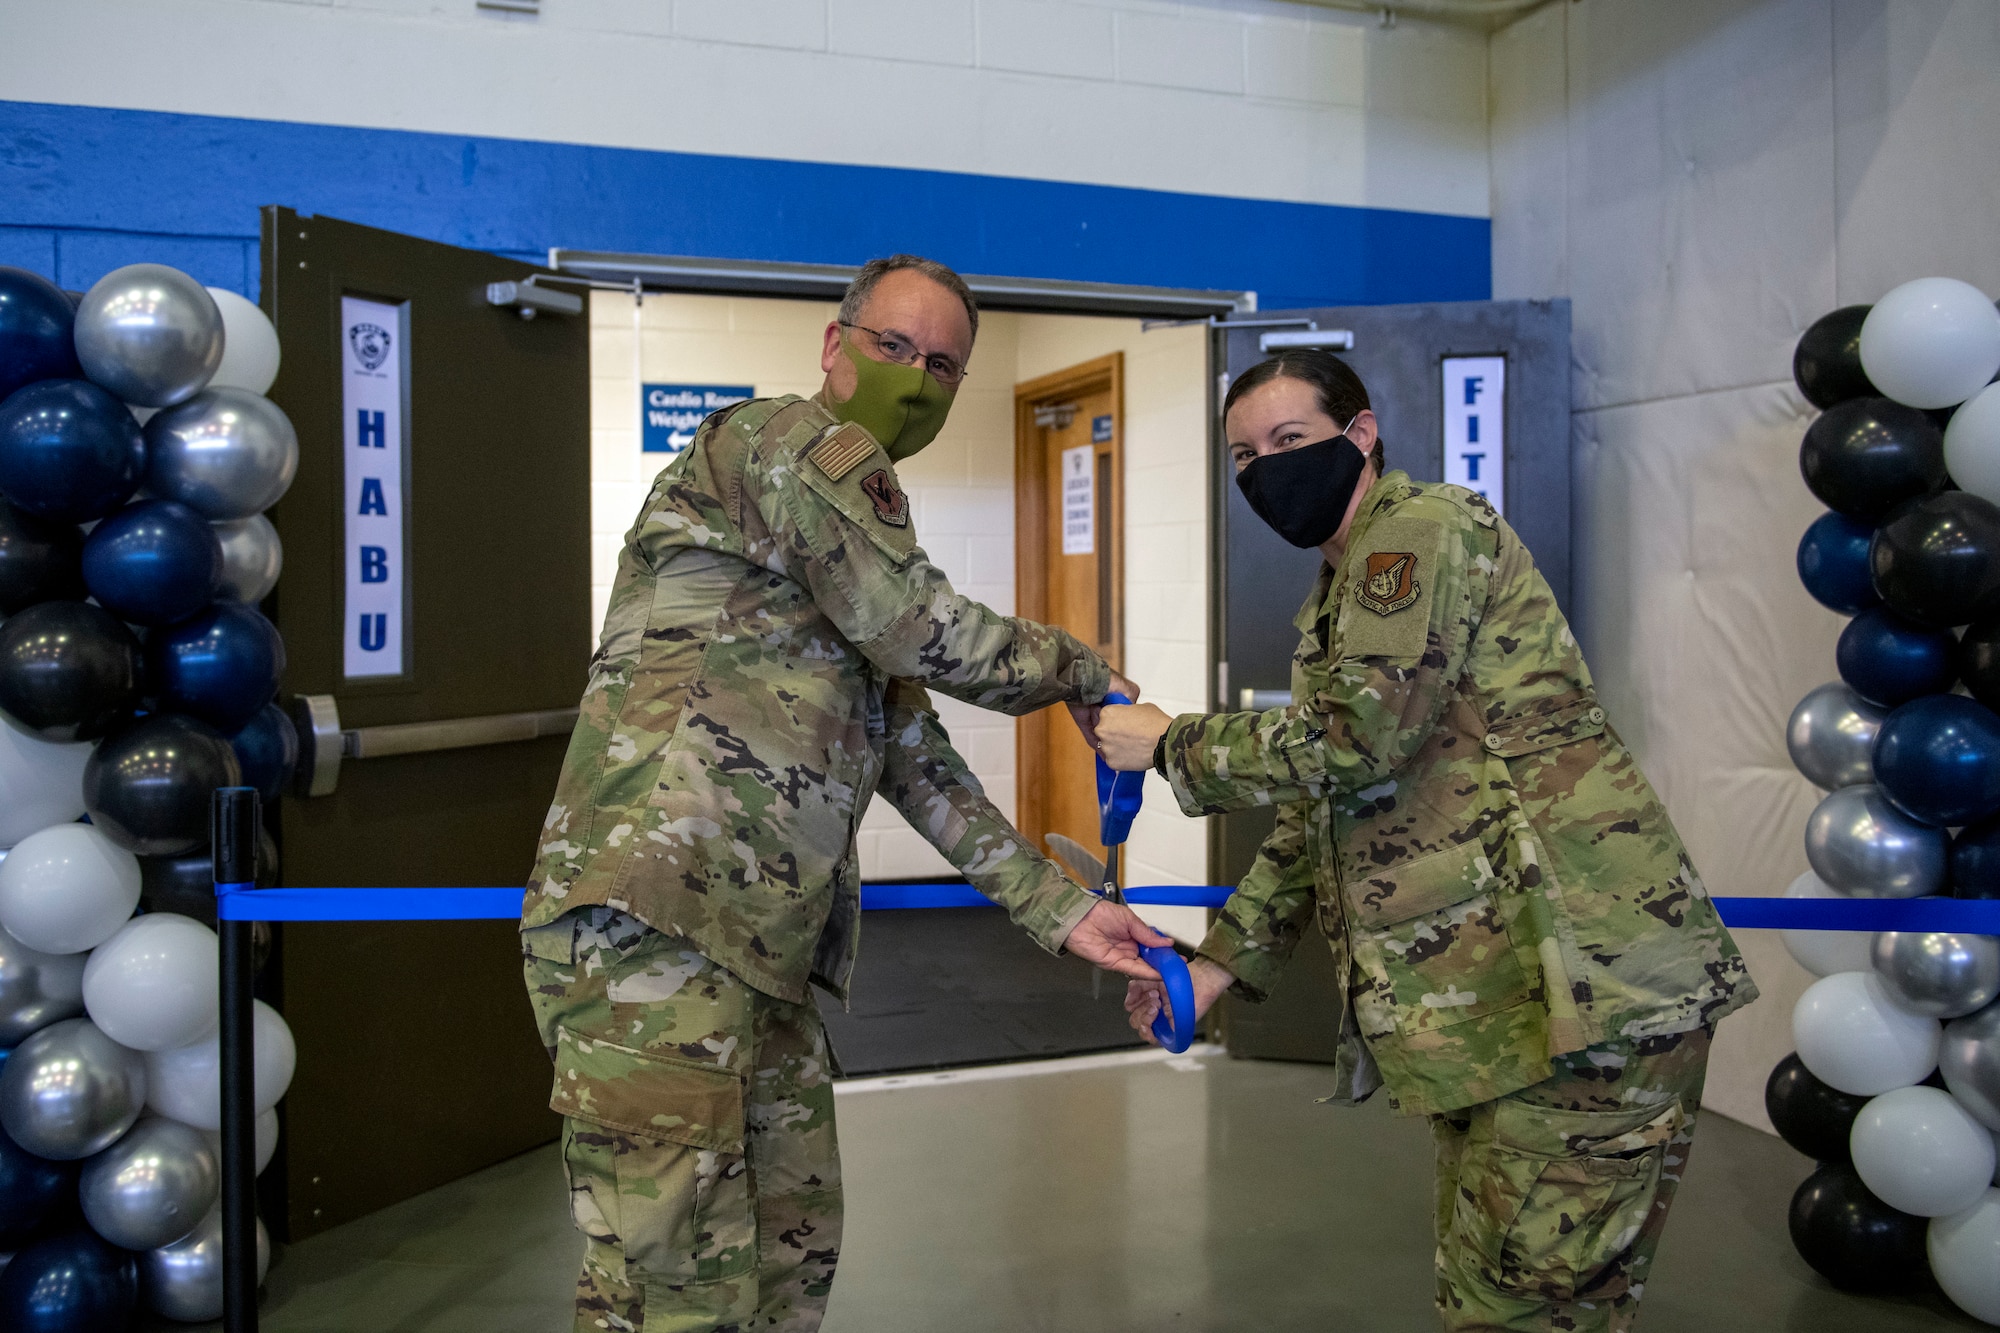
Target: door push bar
point(324, 743)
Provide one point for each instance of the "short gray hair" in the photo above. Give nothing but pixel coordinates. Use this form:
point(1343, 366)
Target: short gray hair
point(875, 270)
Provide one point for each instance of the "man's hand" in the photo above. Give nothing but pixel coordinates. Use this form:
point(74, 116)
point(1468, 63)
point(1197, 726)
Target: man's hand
point(1086, 714)
point(1111, 935)
point(1126, 737)
point(1143, 999)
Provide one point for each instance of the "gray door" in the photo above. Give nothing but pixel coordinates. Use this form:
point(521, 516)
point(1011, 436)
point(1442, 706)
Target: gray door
point(1402, 353)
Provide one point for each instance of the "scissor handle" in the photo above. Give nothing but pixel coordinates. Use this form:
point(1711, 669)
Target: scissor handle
point(1118, 795)
point(1174, 1024)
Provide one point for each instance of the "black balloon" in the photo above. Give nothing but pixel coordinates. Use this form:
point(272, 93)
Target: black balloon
point(33, 1192)
point(1889, 661)
point(148, 784)
point(37, 321)
point(1975, 861)
point(1937, 562)
point(68, 670)
point(1853, 1239)
point(186, 884)
point(1827, 362)
point(1979, 660)
point(1808, 1114)
point(40, 560)
point(1865, 456)
point(268, 749)
point(69, 1283)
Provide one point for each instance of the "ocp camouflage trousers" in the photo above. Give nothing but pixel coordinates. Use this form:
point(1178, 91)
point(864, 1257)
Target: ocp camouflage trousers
point(698, 1133)
point(1551, 1200)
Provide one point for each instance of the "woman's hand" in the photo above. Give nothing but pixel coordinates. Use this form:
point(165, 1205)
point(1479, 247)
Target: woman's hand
point(1143, 999)
point(1086, 715)
point(1127, 737)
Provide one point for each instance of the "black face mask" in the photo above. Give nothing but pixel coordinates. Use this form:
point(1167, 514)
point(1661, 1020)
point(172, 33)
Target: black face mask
point(1303, 492)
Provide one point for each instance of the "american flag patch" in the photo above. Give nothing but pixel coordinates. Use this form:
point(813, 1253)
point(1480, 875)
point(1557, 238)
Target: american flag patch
point(841, 452)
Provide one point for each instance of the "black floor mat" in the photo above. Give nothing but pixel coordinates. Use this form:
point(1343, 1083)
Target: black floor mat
point(945, 986)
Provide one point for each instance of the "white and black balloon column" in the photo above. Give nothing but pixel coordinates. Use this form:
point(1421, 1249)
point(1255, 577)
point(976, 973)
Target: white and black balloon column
point(136, 676)
point(1895, 1083)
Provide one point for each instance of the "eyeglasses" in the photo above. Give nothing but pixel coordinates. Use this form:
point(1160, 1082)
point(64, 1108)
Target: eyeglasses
point(894, 347)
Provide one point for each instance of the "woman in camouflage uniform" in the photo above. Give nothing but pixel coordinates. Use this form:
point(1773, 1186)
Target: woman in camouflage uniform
point(1532, 961)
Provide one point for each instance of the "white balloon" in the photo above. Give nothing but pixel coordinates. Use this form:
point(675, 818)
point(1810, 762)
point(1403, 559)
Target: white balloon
point(153, 986)
point(1825, 952)
point(67, 889)
point(1931, 343)
point(41, 783)
point(1919, 1151)
point(185, 1084)
point(1972, 445)
point(1853, 1037)
point(249, 344)
point(267, 1139)
point(1965, 1257)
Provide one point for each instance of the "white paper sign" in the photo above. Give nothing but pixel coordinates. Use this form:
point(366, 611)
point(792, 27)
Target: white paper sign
point(1079, 500)
point(373, 450)
point(1475, 426)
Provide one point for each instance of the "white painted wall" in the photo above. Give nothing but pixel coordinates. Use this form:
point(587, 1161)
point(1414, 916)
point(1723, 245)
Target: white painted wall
point(1703, 180)
point(1247, 98)
point(962, 503)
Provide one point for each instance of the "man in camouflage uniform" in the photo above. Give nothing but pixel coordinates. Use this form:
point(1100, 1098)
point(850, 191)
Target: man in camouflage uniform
point(1532, 960)
point(761, 672)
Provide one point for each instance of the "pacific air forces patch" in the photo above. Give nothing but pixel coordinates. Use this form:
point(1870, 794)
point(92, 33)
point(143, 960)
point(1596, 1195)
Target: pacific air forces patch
point(1389, 582)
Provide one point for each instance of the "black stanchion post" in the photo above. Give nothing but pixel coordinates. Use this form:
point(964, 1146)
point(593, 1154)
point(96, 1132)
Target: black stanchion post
point(235, 821)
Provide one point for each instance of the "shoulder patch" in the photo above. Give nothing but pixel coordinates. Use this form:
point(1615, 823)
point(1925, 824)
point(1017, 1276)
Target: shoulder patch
point(840, 453)
point(1387, 611)
point(891, 505)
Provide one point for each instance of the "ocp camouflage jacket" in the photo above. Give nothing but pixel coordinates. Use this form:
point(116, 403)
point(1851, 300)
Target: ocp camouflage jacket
point(759, 675)
point(1499, 883)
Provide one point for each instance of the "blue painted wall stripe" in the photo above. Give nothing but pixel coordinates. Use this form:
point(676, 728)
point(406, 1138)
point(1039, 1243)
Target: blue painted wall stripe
point(83, 189)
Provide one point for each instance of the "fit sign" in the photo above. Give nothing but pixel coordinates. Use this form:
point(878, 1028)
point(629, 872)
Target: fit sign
point(373, 351)
point(1475, 426)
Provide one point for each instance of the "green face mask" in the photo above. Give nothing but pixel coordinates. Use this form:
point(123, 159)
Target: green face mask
point(903, 407)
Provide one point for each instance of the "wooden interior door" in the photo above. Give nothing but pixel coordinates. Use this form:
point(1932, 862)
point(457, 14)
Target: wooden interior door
point(1069, 568)
point(418, 1057)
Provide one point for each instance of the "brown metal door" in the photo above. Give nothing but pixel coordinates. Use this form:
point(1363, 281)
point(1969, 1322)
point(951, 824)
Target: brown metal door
point(418, 1059)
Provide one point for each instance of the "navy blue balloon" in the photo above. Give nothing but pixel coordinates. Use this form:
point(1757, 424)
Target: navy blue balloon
point(221, 666)
point(69, 450)
point(268, 749)
point(1833, 563)
point(69, 1283)
point(37, 330)
point(1938, 759)
point(153, 563)
point(33, 1192)
point(1975, 861)
point(1889, 661)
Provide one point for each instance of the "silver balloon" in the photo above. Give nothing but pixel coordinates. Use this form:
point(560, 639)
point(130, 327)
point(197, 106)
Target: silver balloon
point(225, 453)
point(150, 334)
point(36, 989)
point(151, 1187)
point(252, 558)
point(184, 1280)
point(1969, 1059)
point(1865, 847)
point(1830, 736)
point(69, 1091)
point(1937, 974)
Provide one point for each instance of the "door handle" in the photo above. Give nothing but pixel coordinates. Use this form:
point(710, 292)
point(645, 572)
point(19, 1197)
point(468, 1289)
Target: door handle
point(324, 743)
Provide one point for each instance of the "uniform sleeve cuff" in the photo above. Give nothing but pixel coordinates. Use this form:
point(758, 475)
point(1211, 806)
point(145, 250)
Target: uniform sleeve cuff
point(1070, 909)
point(1255, 968)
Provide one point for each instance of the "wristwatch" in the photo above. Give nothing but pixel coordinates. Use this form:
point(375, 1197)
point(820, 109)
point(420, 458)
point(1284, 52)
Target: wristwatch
point(1160, 755)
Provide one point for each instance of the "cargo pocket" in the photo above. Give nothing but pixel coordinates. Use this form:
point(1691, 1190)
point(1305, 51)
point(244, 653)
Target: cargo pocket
point(653, 1148)
point(1433, 940)
point(1551, 1210)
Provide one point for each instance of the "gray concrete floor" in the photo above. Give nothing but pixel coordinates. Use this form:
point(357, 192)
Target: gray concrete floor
point(1196, 1194)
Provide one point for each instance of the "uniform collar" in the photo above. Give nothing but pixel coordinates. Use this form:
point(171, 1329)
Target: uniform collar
point(1388, 488)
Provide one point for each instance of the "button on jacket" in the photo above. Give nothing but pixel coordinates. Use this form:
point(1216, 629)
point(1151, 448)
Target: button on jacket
point(760, 674)
point(1498, 879)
